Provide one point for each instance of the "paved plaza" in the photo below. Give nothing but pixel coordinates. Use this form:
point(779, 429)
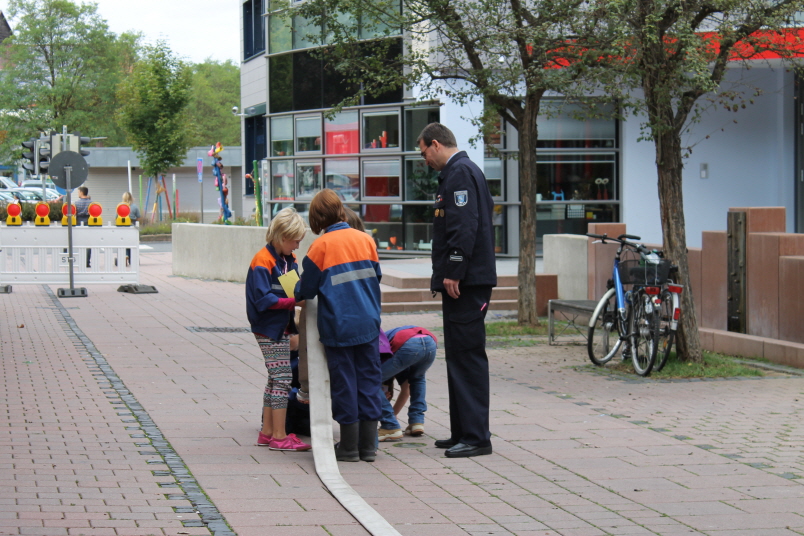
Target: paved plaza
point(137, 415)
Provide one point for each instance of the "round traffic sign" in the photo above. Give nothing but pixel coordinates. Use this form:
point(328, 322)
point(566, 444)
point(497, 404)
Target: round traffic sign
point(78, 173)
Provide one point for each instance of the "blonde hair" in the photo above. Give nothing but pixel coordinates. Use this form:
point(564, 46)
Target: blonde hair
point(286, 224)
point(127, 198)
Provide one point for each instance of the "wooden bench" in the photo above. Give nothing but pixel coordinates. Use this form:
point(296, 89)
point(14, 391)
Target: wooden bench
point(573, 311)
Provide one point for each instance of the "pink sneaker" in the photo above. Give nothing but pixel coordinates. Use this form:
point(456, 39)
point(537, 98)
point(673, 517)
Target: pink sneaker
point(263, 440)
point(291, 442)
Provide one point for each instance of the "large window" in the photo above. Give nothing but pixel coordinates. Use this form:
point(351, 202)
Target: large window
point(566, 126)
point(415, 121)
point(308, 134)
point(280, 36)
point(381, 130)
point(382, 179)
point(282, 136)
point(421, 181)
point(309, 179)
point(282, 182)
point(255, 142)
point(577, 176)
point(300, 81)
point(253, 28)
point(384, 222)
point(343, 176)
point(493, 169)
point(342, 134)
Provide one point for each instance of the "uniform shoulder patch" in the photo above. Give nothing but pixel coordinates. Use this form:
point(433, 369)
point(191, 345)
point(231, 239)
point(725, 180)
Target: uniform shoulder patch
point(461, 198)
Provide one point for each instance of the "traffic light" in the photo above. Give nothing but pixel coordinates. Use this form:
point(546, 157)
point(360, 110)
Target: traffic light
point(31, 153)
point(44, 150)
point(74, 142)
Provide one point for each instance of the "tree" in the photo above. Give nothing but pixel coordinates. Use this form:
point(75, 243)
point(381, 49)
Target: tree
point(153, 109)
point(503, 52)
point(62, 66)
point(216, 87)
point(673, 53)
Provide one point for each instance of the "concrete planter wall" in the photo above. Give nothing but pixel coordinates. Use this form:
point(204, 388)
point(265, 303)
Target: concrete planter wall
point(220, 251)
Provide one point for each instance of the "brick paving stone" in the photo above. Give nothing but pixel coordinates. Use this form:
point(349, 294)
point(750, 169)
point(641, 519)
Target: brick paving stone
point(554, 460)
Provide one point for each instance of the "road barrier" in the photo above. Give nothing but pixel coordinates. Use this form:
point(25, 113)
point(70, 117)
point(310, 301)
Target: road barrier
point(38, 254)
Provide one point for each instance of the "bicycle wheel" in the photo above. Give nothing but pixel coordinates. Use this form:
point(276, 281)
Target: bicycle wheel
point(644, 334)
point(604, 330)
point(666, 335)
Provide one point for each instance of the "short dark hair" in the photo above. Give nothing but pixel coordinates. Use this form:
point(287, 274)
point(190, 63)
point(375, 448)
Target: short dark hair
point(353, 219)
point(437, 131)
point(326, 209)
point(84, 190)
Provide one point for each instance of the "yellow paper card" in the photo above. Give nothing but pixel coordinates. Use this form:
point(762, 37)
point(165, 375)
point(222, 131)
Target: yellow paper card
point(288, 282)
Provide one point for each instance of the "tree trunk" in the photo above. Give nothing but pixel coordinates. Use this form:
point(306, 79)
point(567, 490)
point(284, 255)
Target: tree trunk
point(671, 205)
point(528, 135)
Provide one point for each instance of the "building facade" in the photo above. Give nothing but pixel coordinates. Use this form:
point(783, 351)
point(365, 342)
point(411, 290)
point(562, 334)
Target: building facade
point(589, 171)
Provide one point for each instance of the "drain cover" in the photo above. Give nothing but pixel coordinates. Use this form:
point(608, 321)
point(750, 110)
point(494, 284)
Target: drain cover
point(197, 329)
point(410, 445)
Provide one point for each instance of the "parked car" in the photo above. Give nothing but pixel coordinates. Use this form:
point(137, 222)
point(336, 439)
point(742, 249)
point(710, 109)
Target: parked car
point(36, 183)
point(26, 195)
point(6, 197)
point(6, 183)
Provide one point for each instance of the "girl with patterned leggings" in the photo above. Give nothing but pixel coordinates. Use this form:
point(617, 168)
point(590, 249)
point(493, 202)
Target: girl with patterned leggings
point(270, 313)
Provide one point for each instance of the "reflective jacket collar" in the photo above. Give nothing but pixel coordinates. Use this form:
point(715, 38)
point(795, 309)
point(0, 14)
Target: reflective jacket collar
point(337, 226)
point(288, 261)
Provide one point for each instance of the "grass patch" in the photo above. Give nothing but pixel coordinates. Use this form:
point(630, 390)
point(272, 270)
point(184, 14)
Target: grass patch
point(512, 329)
point(713, 366)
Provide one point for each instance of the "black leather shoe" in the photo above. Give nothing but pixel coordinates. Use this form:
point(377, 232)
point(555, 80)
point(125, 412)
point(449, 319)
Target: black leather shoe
point(462, 450)
point(445, 443)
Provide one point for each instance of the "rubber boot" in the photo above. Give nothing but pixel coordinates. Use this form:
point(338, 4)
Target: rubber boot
point(346, 448)
point(368, 441)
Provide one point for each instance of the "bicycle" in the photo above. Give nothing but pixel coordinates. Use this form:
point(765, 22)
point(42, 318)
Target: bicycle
point(629, 316)
point(669, 314)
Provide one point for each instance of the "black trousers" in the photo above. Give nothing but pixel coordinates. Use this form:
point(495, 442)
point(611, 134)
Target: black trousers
point(467, 364)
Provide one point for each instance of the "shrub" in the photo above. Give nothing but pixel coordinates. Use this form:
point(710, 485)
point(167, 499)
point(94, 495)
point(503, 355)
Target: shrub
point(29, 211)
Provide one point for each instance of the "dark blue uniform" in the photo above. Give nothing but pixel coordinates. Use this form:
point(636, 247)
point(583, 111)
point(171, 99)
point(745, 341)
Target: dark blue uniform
point(463, 249)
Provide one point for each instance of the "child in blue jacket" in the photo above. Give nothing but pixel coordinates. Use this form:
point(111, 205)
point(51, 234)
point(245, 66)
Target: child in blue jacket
point(270, 313)
point(343, 270)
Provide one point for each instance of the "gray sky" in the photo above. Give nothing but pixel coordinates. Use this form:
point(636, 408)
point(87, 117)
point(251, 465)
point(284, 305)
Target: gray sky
point(194, 29)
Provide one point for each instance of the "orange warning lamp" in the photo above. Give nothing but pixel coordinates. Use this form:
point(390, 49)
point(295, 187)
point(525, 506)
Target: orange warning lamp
point(95, 211)
point(14, 211)
point(42, 214)
point(64, 214)
point(123, 213)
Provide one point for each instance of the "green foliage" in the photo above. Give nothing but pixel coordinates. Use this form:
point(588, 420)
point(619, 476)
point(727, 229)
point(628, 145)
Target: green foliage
point(215, 89)
point(29, 211)
point(62, 66)
point(711, 366)
point(508, 329)
point(153, 109)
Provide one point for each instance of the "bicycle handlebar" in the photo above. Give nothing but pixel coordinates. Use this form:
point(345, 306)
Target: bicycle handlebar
point(622, 240)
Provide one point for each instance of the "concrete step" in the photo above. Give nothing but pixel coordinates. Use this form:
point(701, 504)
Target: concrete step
point(405, 297)
point(409, 307)
point(395, 295)
point(403, 280)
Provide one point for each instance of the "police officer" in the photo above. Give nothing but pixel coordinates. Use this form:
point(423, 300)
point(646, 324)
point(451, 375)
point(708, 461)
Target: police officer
point(464, 272)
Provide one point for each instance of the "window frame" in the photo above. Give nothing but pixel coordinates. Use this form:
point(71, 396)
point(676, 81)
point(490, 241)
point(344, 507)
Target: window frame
point(306, 117)
point(378, 112)
point(390, 198)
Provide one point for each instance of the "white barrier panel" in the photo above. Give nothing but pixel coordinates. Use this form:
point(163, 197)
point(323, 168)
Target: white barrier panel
point(31, 254)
